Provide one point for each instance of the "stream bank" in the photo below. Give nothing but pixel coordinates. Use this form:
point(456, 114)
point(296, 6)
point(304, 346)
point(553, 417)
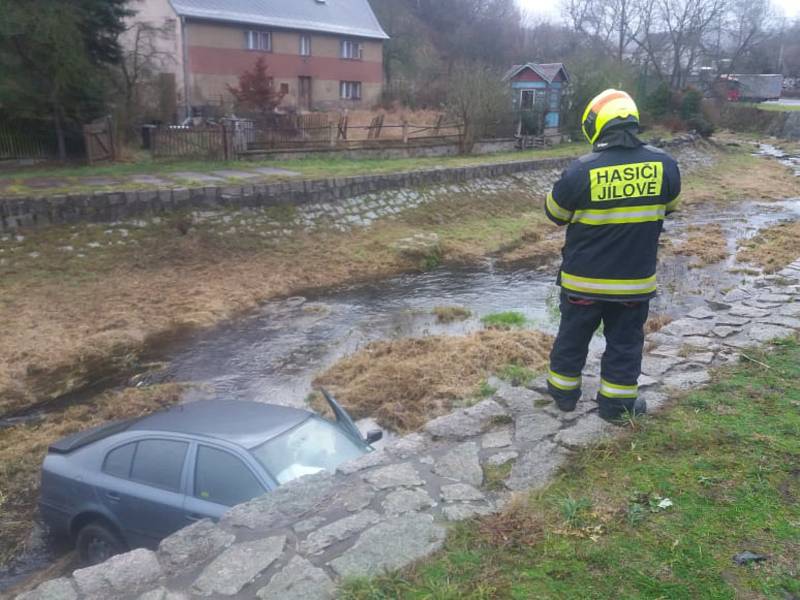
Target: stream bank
point(273, 354)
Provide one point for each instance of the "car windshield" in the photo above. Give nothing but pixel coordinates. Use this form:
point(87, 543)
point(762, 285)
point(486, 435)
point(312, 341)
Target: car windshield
point(313, 446)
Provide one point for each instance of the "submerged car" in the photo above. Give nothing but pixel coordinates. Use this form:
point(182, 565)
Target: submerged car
point(132, 483)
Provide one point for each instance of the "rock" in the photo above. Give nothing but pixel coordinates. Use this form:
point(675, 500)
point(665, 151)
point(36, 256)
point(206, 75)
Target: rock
point(501, 458)
point(193, 545)
point(403, 501)
point(781, 321)
point(533, 428)
point(739, 310)
point(461, 463)
point(704, 358)
point(127, 572)
point(736, 295)
point(55, 589)
point(238, 566)
point(701, 313)
point(497, 439)
point(656, 366)
point(366, 461)
point(685, 380)
point(655, 400)
point(391, 545)
point(519, 400)
point(701, 343)
point(724, 331)
point(163, 593)
point(299, 580)
point(790, 310)
point(584, 432)
point(307, 525)
point(659, 338)
point(413, 444)
point(460, 492)
point(535, 467)
point(399, 475)
point(646, 381)
point(764, 333)
point(319, 540)
point(466, 422)
point(731, 321)
point(774, 298)
point(354, 496)
point(285, 504)
point(461, 512)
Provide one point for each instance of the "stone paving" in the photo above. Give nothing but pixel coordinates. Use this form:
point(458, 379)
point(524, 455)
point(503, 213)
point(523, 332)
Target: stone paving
point(393, 506)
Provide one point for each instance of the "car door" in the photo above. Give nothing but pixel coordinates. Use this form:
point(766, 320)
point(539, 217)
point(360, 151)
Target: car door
point(144, 488)
point(220, 478)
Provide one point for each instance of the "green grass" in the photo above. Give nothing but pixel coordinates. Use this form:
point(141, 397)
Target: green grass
point(517, 375)
point(778, 107)
point(309, 168)
point(505, 320)
point(658, 512)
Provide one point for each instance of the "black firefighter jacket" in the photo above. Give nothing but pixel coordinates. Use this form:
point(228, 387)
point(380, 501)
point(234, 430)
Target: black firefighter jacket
point(613, 202)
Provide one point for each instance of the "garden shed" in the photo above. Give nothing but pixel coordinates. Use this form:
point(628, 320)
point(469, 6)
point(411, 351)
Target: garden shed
point(536, 92)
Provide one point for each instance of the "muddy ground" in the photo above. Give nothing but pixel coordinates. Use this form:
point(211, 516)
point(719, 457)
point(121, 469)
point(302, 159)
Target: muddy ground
point(70, 319)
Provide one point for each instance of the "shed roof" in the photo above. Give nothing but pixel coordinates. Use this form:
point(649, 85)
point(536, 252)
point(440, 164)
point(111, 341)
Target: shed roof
point(546, 71)
point(347, 17)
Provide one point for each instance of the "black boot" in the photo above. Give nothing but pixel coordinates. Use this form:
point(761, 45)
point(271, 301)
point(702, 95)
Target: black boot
point(617, 410)
point(565, 401)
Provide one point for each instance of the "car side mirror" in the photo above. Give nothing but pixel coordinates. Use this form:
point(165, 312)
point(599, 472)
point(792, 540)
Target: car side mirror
point(374, 436)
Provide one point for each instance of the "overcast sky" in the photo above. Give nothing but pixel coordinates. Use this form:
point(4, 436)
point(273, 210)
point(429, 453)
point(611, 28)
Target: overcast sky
point(551, 8)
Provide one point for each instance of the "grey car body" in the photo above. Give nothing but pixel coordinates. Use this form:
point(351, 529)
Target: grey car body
point(143, 479)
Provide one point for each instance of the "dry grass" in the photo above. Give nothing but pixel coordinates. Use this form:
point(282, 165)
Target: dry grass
point(656, 322)
point(449, 314)
point(67, 320)
point(23, 447)
point(739, 176)
point(405, 383)
point(705, 244)
point(773, 248)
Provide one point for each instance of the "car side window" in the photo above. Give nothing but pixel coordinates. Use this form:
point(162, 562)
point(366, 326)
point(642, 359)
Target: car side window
point(159, 463)
point(118, 461)
point(223, 478)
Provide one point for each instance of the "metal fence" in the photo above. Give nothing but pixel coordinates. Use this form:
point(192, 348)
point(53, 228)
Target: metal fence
point(205, 142)
point(17, 143)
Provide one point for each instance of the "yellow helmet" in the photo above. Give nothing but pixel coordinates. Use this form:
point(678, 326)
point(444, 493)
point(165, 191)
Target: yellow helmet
point(612, 107)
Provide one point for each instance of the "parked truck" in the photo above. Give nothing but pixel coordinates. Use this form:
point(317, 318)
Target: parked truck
point(745, 87)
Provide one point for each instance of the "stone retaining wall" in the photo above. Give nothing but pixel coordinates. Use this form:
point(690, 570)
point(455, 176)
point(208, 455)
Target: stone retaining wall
point(107, 207)
point(117, 206)
point(392, 507)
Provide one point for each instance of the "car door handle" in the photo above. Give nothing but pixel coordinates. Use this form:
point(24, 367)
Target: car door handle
point(113, 496)
point(193, 517)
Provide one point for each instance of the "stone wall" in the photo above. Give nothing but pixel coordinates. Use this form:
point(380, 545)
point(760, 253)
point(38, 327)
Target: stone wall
point(117, 206)
point(393, 506)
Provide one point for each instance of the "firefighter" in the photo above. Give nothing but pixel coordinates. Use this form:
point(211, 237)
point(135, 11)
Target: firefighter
point(613, 202)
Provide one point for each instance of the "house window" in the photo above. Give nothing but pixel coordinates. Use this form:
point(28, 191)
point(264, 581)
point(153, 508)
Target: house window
point(352, 50)
point(284, 88)
point(258, 40)
point(305, 45)
point(350, 90)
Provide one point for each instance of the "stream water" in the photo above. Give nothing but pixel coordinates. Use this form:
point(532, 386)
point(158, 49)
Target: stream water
point(273, 354)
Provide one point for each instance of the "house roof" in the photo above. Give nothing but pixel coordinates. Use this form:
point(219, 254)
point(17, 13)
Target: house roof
point(546, 71)
point(347, 17)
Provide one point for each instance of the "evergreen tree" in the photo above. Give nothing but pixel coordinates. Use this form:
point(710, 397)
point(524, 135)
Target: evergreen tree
point(53, 59)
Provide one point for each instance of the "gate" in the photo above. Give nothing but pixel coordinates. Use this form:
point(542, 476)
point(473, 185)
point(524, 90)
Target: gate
point(99, 139)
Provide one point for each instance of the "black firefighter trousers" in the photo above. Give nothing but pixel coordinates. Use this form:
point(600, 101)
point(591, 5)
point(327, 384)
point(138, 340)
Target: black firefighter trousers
point(623, 327)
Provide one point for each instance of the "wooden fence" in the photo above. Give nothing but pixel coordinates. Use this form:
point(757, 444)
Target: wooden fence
point(99, 140)
point(17, 144)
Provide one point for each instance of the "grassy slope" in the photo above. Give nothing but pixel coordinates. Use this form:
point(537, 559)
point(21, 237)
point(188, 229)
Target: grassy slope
point(727, 457)
point(310, 168)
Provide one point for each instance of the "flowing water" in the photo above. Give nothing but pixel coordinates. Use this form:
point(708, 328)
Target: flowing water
point(273, 354)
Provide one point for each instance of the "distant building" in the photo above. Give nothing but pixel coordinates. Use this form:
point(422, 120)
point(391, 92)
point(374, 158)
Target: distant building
point(322, 53)
point(741, 87)
point(537, 89)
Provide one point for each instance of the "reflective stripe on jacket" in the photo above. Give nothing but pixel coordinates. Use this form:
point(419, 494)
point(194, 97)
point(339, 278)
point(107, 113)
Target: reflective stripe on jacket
point(614, 202)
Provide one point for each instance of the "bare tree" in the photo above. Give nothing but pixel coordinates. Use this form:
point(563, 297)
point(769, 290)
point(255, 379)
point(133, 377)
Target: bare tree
point(143, 59)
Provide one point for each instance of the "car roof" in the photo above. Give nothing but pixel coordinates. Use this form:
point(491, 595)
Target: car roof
point(248, 424)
